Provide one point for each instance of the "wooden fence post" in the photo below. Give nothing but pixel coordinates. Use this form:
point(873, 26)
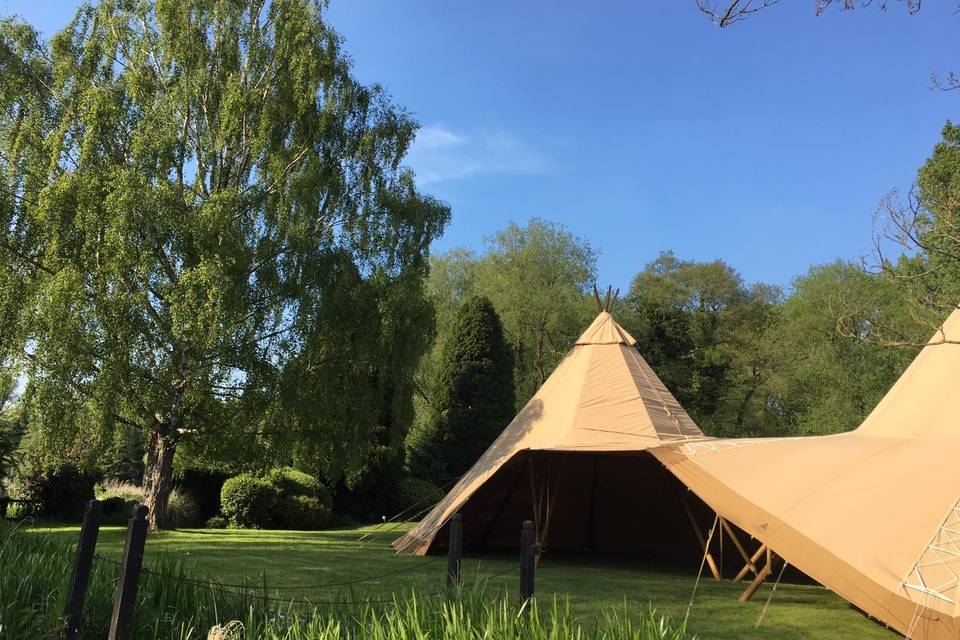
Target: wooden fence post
point(73, 612)
point(455, 550)
point(528, 552)
point(121, 622)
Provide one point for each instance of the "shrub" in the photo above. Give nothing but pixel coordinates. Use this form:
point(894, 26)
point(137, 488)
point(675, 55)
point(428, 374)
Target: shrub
point(61, 493)
point(412, 495)
point(182, 510)
point(248, 501)
point(304, 513)
point(291, 482)
point(304, 503)
point(204, 486)
point(116, 510)
point(216, 522)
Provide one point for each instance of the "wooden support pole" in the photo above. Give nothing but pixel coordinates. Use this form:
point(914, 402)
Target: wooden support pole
point(121, 621)
point(455, 551)
point(73, 611)
point(696, 530)
point(761, 577)
point(754, 559)
point(596, 297)
point(736, 543)
point(528, 551)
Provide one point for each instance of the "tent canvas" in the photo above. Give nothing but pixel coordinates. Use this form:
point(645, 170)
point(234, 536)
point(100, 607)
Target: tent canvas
point(573, 460)
point(872, 514)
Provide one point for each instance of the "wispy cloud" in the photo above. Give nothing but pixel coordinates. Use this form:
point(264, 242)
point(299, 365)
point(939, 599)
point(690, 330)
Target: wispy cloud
point(440, 154)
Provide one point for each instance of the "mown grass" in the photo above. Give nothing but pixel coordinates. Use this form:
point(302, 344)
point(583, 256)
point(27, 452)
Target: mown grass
point(588, 588)
point(175, 603)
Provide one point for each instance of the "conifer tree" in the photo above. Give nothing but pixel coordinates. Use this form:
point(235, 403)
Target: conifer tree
point(472, 400)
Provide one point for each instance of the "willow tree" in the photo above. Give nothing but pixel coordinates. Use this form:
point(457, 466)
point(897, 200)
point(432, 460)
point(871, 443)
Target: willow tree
point(193, 193)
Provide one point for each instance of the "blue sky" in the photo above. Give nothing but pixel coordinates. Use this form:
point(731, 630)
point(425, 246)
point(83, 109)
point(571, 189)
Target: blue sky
point(642, 127)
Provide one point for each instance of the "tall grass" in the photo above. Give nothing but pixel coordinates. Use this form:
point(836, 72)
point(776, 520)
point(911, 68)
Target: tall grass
point(35, 573)
point(119, 489)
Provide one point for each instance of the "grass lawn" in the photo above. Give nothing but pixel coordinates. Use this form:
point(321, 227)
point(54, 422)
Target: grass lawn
point(296, 558)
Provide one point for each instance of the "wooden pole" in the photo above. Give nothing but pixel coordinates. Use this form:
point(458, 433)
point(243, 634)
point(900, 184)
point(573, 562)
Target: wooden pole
point(528, 551)
point(616, 294)
point(754, 558)
point(696, 530)
point(736, 543)
point(121, 622)
point(73, 611)
point(763, 575)
point(596, 298)
point(455, 551)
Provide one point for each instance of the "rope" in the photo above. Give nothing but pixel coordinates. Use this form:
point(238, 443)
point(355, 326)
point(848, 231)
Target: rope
point(703, 561)
point(408, 509)
point(766, 605)
point(915, 618)
point(251, 591)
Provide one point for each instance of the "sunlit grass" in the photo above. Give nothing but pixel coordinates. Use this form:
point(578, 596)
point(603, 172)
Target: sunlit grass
point(591, 587)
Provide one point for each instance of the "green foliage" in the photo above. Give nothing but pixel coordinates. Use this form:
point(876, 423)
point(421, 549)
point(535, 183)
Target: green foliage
point(302, 513)
point(61, 491)
point(216, 522)
point(9, 442)
point(745, 362)
point(184, 511)
point(291, 482)
point(249, 501)
point(116, 510)
point(701, 328)
point(303, 504)
point(411, 496)
point(825, 380)
point(473, 399)
point(203, 486)
point(209, 236)
point(12, 425)
point(537, 277)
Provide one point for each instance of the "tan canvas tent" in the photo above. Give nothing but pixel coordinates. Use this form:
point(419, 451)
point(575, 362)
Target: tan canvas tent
point(872, 514)
point(573, 460)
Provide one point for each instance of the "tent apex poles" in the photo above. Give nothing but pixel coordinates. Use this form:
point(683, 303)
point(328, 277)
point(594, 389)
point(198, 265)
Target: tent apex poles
point(609, 300)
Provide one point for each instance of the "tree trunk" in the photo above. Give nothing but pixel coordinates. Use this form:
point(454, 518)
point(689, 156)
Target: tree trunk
point(158, 477)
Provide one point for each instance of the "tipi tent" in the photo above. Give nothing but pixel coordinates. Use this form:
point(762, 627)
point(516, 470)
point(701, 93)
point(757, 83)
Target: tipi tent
point(573, 460)
point(872, 514)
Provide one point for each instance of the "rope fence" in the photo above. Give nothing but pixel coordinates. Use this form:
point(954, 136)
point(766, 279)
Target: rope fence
point(297, 587)
point(261, 592)
point(130, 570)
